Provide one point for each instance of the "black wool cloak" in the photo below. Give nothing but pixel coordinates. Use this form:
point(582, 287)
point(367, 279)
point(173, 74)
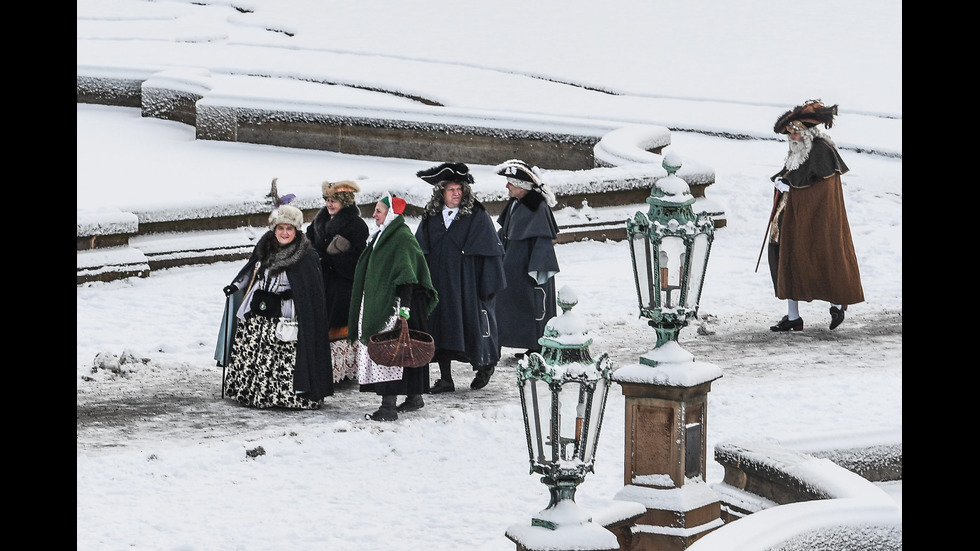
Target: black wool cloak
point(314, 368)
point(466, 263)
point(338, 268)
point(528, 231)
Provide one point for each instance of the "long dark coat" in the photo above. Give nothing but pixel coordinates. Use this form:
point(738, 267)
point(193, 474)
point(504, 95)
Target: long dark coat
point(466, 263)
point(811, 254)
point(338, 268)
point(528, 231)
point(313, 372)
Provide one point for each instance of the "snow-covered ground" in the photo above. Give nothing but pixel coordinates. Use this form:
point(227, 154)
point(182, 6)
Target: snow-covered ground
point(162, 460)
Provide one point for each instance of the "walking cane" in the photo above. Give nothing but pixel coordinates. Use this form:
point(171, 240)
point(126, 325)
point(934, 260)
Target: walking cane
point(775, 201)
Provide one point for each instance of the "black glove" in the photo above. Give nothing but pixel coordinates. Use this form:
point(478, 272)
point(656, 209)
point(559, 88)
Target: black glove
point(229, 290)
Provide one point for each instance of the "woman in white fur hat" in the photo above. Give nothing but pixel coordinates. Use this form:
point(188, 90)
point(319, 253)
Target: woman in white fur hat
point(280, 280)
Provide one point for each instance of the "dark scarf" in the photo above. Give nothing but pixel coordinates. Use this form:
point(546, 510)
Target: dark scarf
point(275, 258)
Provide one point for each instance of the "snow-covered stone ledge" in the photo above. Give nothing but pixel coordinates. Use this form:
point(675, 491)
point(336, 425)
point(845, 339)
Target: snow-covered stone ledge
point(760, 475)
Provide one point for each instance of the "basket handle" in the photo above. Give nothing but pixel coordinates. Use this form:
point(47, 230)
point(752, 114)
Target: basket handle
point(404, 339)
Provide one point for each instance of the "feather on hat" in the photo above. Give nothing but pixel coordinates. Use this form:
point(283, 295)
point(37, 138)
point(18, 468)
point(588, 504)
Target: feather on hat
point(810, 114)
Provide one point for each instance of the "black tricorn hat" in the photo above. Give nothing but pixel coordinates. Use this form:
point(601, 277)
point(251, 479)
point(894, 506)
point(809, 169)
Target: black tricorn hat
point(517, 169)
point(452, 172)
point(810, 114)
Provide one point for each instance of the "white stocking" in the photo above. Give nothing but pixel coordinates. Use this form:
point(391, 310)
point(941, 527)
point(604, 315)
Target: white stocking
point(793, 309)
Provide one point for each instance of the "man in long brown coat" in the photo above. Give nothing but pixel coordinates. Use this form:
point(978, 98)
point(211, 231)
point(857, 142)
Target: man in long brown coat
point(811, 255)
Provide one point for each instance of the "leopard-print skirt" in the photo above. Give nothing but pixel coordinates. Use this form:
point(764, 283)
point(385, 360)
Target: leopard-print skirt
point(260, 373)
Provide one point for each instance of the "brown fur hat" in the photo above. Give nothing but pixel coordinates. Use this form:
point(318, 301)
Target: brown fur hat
point(341, 191)
point(810, 114)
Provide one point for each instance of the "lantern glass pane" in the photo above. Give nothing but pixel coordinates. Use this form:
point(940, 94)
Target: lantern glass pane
point(642, 268)
point(530, 393)
point(570, 416)
point(699, 262)
point(594, 420)
point(671, 255)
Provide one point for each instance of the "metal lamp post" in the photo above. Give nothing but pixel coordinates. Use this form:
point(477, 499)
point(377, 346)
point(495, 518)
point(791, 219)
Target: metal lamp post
point(563, 397)
point(667, 391)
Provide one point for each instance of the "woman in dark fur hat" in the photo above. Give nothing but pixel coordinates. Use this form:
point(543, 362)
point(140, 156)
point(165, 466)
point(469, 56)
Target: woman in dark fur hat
point(281, 280)
point(811, 254)
point(339, 235)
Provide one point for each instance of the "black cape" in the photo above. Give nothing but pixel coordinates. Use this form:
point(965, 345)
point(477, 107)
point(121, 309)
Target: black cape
point(466, 264)
point(314, 369)
point(527, 230)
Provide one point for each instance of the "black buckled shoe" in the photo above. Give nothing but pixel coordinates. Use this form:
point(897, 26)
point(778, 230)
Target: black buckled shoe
point(412, 403)
point(786, 325)
point(442, 386)
point(383, 414)
point(836, 317)
point(482, 377)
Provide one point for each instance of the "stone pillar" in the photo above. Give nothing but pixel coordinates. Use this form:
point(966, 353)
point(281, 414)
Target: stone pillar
point(665, 453)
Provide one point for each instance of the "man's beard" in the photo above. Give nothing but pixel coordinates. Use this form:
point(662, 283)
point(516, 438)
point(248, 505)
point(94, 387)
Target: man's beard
point(799, 151)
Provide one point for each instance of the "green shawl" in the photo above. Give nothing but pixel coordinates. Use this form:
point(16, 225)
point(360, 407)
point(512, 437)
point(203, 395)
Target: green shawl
point(392, 258)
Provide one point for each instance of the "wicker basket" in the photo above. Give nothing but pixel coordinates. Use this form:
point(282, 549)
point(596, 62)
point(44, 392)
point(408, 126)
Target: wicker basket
point(402, 346)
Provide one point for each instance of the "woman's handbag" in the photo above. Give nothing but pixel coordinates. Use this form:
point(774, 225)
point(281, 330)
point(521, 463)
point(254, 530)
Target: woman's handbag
point(266, 304)
point(287, 330)
point(402, 346)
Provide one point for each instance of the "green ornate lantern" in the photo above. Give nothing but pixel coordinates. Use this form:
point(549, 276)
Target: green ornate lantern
point(669, 247)
point(563, 397)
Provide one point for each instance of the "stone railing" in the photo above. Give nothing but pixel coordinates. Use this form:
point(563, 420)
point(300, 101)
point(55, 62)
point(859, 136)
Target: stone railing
point(589, 164)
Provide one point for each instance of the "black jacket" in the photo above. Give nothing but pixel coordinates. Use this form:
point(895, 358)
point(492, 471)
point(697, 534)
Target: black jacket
point(338, 267)
point(466, 264)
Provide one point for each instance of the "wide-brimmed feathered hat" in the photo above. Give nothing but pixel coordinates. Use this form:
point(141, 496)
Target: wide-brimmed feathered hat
point(808, 115)
point(524, 176)
point(517, 169)
point(446, 172)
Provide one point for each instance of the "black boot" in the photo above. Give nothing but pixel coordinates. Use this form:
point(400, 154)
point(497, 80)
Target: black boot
point(414, 402)
point(387, 411)
point(836, 316)
point(445, 382)
point(482, 378)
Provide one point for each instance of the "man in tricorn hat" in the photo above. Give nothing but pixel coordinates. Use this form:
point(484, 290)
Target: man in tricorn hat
point(811, 255)
point(465, 259)
point(528, 231)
